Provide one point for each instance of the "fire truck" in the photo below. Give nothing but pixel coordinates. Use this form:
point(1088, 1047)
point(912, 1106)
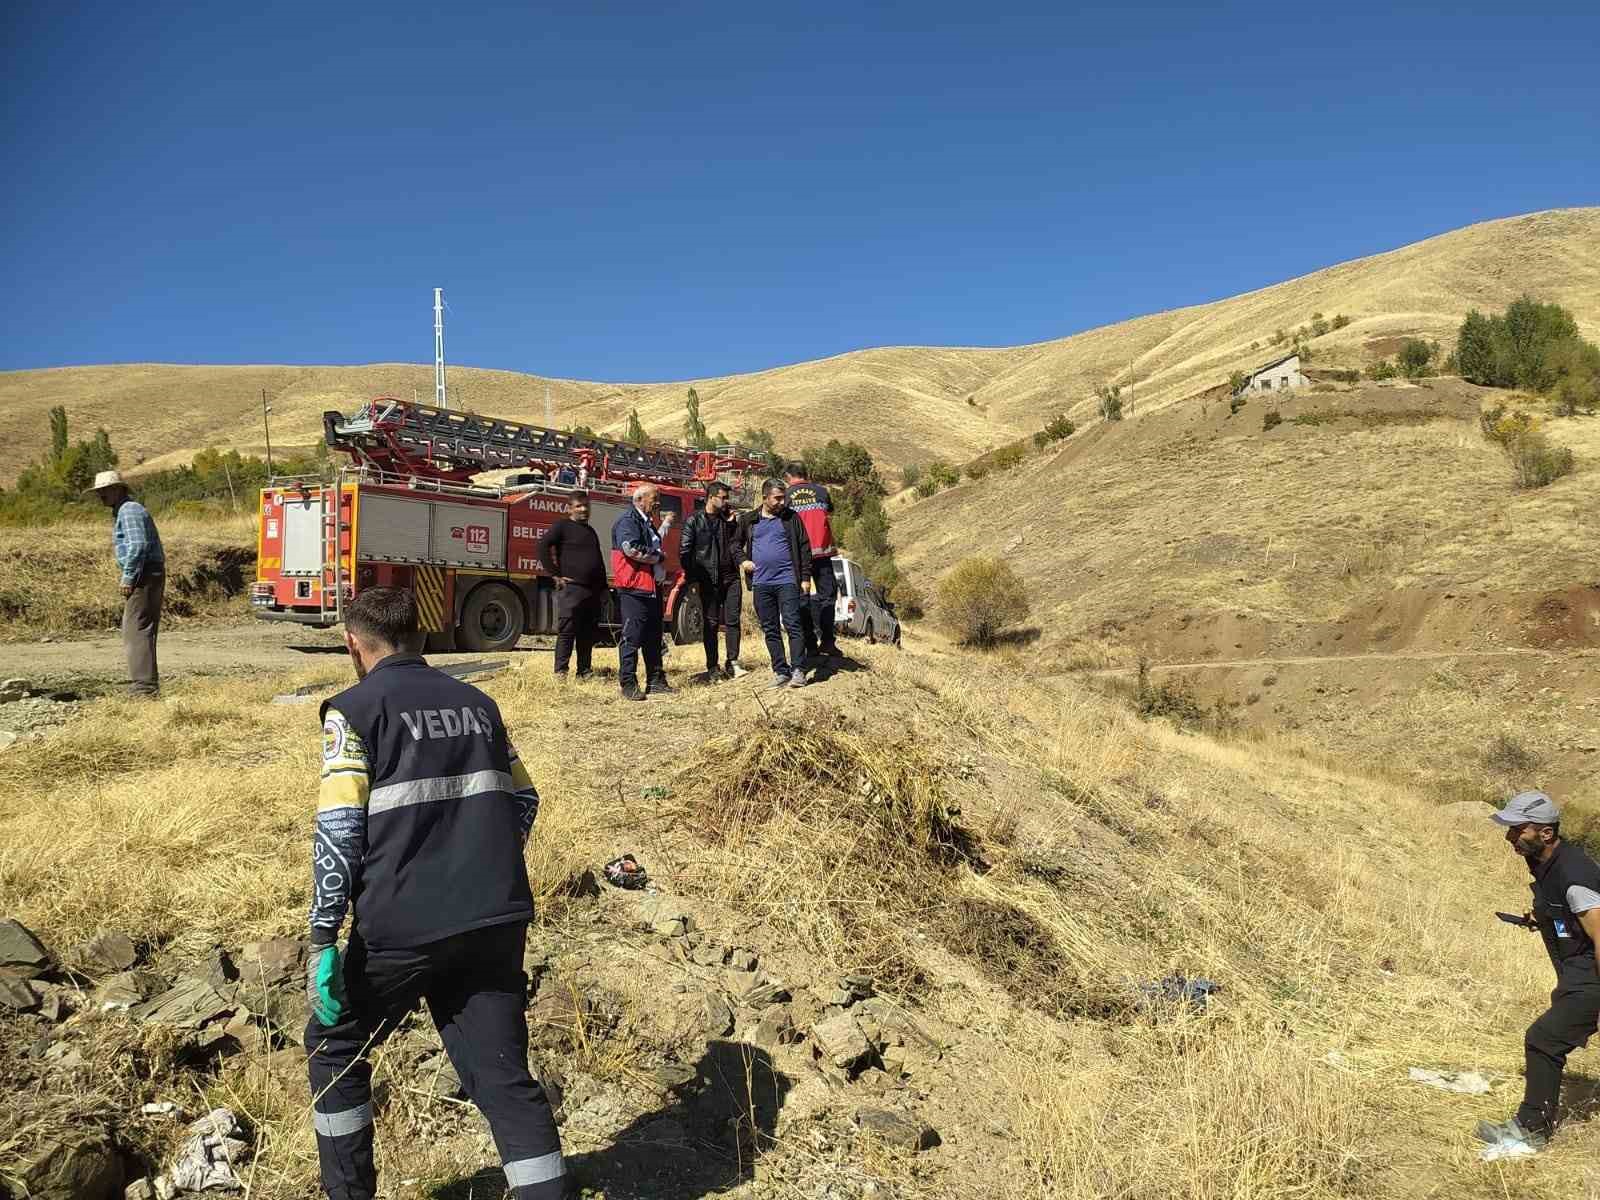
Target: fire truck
point(405, 509)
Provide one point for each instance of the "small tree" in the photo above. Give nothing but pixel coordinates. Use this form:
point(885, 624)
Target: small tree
point(980, 598)
point(1059, 427)
point(1110, 398)
point(635, 433)
point(1237, 382)
point(1415, 355)
point(941, 475)
point(694, 429)
point(1340, 321)
point(1318, 325)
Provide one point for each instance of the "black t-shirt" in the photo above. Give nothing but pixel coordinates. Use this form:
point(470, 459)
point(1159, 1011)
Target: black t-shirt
point(573, 549)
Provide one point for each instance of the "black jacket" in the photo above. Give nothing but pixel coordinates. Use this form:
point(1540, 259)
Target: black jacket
point(444, 844)
point(1565, 940)
point(799, 541)
point(703, 544)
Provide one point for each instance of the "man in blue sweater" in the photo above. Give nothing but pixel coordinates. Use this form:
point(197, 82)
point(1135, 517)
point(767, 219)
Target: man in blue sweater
point(777, 562)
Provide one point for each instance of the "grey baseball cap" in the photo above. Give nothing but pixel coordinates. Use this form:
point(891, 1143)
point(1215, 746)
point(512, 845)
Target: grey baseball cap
point(1528, 808)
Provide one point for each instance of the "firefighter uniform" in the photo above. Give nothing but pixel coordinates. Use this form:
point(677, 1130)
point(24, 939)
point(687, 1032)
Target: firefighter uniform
point(422, 815)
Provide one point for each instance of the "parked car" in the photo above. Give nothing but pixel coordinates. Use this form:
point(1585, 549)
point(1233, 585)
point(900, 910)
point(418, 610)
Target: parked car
point(861, 609)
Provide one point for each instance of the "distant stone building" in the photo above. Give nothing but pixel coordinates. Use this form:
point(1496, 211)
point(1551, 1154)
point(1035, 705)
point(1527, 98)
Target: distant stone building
point(1277, 376)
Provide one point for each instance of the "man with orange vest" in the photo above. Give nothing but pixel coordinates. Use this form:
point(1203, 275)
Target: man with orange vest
point(637, 573)
point(811, 502)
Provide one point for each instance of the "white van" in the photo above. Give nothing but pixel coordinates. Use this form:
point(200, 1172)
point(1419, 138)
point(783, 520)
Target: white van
point(861, 610)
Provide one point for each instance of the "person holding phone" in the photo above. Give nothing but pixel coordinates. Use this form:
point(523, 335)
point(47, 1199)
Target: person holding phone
point(1566, 912)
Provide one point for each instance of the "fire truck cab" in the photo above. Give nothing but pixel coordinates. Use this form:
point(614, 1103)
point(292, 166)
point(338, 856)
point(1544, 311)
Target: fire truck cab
point(408, 511)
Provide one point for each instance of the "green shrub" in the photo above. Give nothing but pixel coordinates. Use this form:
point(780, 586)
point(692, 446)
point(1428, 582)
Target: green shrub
point(1173, 698)
point(1534, 461)
point(1041, 439)
point(1235, 403)
point(977, 471)
point(1279, 337)
point(1006, 457)
point(1319, 326)
point(1270, 420)
point(1237, 382)
point(927, 488)
point(1531, 346)
point(980, 598)
point(1415, 357)
point(907, 600)
point(1110, 401)
point(1382, 369)
point(1340, 321)
point(1059, 427)
point(942, 475)
point(910, 474)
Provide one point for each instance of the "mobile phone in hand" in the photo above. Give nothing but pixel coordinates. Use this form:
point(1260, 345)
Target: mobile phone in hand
point(1514, 919)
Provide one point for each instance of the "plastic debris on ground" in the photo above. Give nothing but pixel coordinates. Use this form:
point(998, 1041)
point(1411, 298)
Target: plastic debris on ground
point(1179, 989)
point(210, 1155)
point(625, 872)
point(1468, 1083)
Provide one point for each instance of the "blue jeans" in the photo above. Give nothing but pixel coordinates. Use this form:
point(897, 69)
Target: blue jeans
point(775, 601)
point(641, 631)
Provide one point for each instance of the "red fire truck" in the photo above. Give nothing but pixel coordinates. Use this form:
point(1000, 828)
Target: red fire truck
point(405, 512)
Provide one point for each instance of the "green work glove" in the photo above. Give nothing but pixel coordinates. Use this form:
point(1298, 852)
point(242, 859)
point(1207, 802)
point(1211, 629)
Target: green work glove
point(325, 985)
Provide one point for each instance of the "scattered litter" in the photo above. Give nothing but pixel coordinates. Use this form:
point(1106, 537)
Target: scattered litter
point(1517, 1149)
point(294, 698)
point(625, 872)
point(1468, 1083)
point(474, 670)
point(1178, 988)
point(209, 1156)
point(1334, 1059)
point(164, 1108)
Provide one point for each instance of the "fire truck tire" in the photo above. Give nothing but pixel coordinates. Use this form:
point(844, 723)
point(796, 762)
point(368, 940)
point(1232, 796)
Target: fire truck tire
point(688, 618)
point(491, 619)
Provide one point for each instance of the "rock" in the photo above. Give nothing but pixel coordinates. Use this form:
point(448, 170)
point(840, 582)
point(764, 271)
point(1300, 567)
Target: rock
point(52, 1000)
point(776, 1027)
point(742, 960)
point(165, 1189)
point(220, 971)
point(139, 1189)
point(21, 954)
point(840, 1040)
point(859, 985)
point(286, 1009)
point(661, 915)
point(271, 963)
point(716, 1017)
point(188, 1004)
point(127, 988)
point(107, 953)
point(561, 1009)
point(13, 689)
point(674, 1075)
point(1468, 1083)
point(85, 1167)
point(440, 1079)
point(766, 991)
point(900, 1130)
point(708, 954)
point(17, 994)
point(806, 1009)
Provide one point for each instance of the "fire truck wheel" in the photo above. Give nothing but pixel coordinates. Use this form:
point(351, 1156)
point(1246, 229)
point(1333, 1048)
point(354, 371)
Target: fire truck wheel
point(688, 618)
point(491, 619)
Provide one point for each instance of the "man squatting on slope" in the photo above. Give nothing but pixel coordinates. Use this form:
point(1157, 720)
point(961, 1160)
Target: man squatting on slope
point(422, 816)
point(1566, 911)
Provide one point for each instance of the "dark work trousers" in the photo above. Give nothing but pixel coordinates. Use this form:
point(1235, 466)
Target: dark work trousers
point(777, 602)
point(477, 994)
point(817, 610)
point(1569, 1023)
point(578, 611)
point(141, 621)
point(720, 603)
point(641, 631)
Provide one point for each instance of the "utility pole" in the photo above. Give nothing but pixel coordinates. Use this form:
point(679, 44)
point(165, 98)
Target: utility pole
point(267, 429)
point(439, 397)
point(549, 410)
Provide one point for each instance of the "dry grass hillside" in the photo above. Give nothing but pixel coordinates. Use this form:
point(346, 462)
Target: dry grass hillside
point(1006, 862)
point(907, 404)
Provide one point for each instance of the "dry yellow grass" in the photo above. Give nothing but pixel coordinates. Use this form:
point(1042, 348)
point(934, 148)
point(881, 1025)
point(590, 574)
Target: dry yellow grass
point(1340, 913)
point(62, 579)
point(907, 404)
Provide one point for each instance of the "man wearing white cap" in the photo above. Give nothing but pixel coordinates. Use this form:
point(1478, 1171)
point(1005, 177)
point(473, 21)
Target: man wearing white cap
point(137, 545)
point(1566, 912)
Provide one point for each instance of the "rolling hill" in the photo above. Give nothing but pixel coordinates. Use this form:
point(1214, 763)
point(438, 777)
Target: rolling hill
point(907, 404)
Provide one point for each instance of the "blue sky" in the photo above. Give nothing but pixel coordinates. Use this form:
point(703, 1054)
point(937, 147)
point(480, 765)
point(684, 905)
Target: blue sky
point(644, 192)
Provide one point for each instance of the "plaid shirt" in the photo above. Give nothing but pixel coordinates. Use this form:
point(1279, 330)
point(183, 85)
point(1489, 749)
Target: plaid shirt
point(135, 541)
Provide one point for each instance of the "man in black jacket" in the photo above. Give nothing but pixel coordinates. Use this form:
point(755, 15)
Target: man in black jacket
point(570, 551)
point(777, 563)
point(422, 815)
point(1566, 912)
point(709, 552)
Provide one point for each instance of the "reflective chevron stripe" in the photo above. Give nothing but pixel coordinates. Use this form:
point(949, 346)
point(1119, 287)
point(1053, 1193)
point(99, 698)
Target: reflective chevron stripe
point(527, 1171)
point(428, 791)
point(342, 1124)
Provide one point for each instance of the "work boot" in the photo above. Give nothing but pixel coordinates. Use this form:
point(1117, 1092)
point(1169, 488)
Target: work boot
point(734, 671)
point(630, 691)
point(797, 678)
point(660, 687)
point(780, 679)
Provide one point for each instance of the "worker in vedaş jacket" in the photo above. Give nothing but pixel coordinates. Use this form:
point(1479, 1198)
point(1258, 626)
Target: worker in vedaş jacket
point(1566, 912)
point(422, 816)
point(143, 564)
point(637, 574)
point(812, 504)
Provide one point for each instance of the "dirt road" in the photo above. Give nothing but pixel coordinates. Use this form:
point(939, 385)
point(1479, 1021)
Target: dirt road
point(95, 664)
point(1228, 664)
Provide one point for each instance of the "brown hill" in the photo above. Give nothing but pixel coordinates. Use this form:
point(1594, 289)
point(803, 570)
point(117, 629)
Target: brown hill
point(907, 404)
